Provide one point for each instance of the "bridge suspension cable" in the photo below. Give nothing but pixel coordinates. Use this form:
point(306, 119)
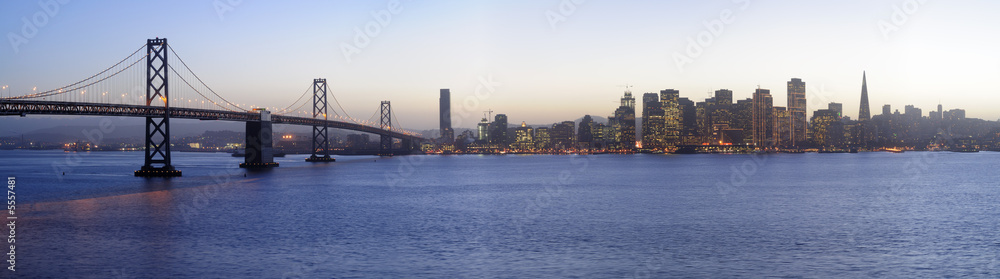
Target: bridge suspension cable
point(284, 110)
point(199, 92)
point(202, 83)
point(76, 85)
point(342, 108)
point(400, 126)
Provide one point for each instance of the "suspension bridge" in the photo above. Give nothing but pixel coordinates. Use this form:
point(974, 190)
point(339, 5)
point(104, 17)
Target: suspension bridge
point(128, 89)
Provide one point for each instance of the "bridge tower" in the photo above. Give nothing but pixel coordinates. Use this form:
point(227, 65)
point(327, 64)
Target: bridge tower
point(157, 163)
point(321, 140)
point(385, 147)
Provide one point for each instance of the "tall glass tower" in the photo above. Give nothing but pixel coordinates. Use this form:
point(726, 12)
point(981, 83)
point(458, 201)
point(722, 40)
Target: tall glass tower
point(447, 134)
point(797, 110)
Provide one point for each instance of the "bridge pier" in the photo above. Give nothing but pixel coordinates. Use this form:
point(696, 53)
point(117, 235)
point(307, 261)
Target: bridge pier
point(259, 149)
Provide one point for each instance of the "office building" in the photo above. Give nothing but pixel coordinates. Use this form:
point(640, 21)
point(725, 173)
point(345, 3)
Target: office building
point(447, 134)
point(652, 121)
point(864, 113)
point(763, 118)
point(585, 134)
point(672, 117)
point(797, 109)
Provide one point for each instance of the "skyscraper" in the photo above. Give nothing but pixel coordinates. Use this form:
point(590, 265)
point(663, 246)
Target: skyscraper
point(719, 115)
point(828, 130)
point(865, 130)
point(742, 119)
point(524, 137)
point(724, 97)
point(912, 112)
point(652, 121)
point(703, 121)
point(782, 129)
point(447, 134)
point(864, 113)
point(585, 134)
point(837, 107)
point(543, 138)
point(763, 118)
point(498, 130)
point(670, 105)
point(624, 123)
point(956, 114)
point(689, 121)
point(564, 135)
point(720, 107)
point(484, 130)
point(797, 110)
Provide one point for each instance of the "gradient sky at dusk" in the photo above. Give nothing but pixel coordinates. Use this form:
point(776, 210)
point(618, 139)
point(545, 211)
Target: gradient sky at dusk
point(268, 52)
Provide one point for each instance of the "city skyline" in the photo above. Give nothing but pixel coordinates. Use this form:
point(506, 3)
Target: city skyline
point(671, 124)
point(532, 53)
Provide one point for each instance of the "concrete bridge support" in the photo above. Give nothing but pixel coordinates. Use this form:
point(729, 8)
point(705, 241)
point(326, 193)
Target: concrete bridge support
point(259, 149)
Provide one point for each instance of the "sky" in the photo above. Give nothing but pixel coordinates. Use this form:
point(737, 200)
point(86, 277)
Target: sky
point(538, 61)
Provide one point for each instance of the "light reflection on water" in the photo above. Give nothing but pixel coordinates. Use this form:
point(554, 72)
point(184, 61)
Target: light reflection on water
point(811, 215)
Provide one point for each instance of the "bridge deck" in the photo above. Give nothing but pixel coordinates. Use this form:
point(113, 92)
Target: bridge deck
point(16, 107)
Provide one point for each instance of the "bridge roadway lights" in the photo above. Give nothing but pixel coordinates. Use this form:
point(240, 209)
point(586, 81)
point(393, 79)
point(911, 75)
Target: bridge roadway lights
point(157, 172)
point(315, 158)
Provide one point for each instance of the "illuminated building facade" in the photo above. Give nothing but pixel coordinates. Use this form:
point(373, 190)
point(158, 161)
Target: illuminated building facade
point(484, 131)
point(524, 138)
point(797, 109)
point(827, 129)
point(564, 135)
point(763, 118)
point(624, 123)
point(543, 138)
point(782, 128)
point(652, 122)
point(742, 119)
point(671, 131)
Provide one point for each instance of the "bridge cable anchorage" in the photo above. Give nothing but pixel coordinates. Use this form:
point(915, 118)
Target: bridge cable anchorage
point(62, 90)
point(199, 79)
point(199, 92)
